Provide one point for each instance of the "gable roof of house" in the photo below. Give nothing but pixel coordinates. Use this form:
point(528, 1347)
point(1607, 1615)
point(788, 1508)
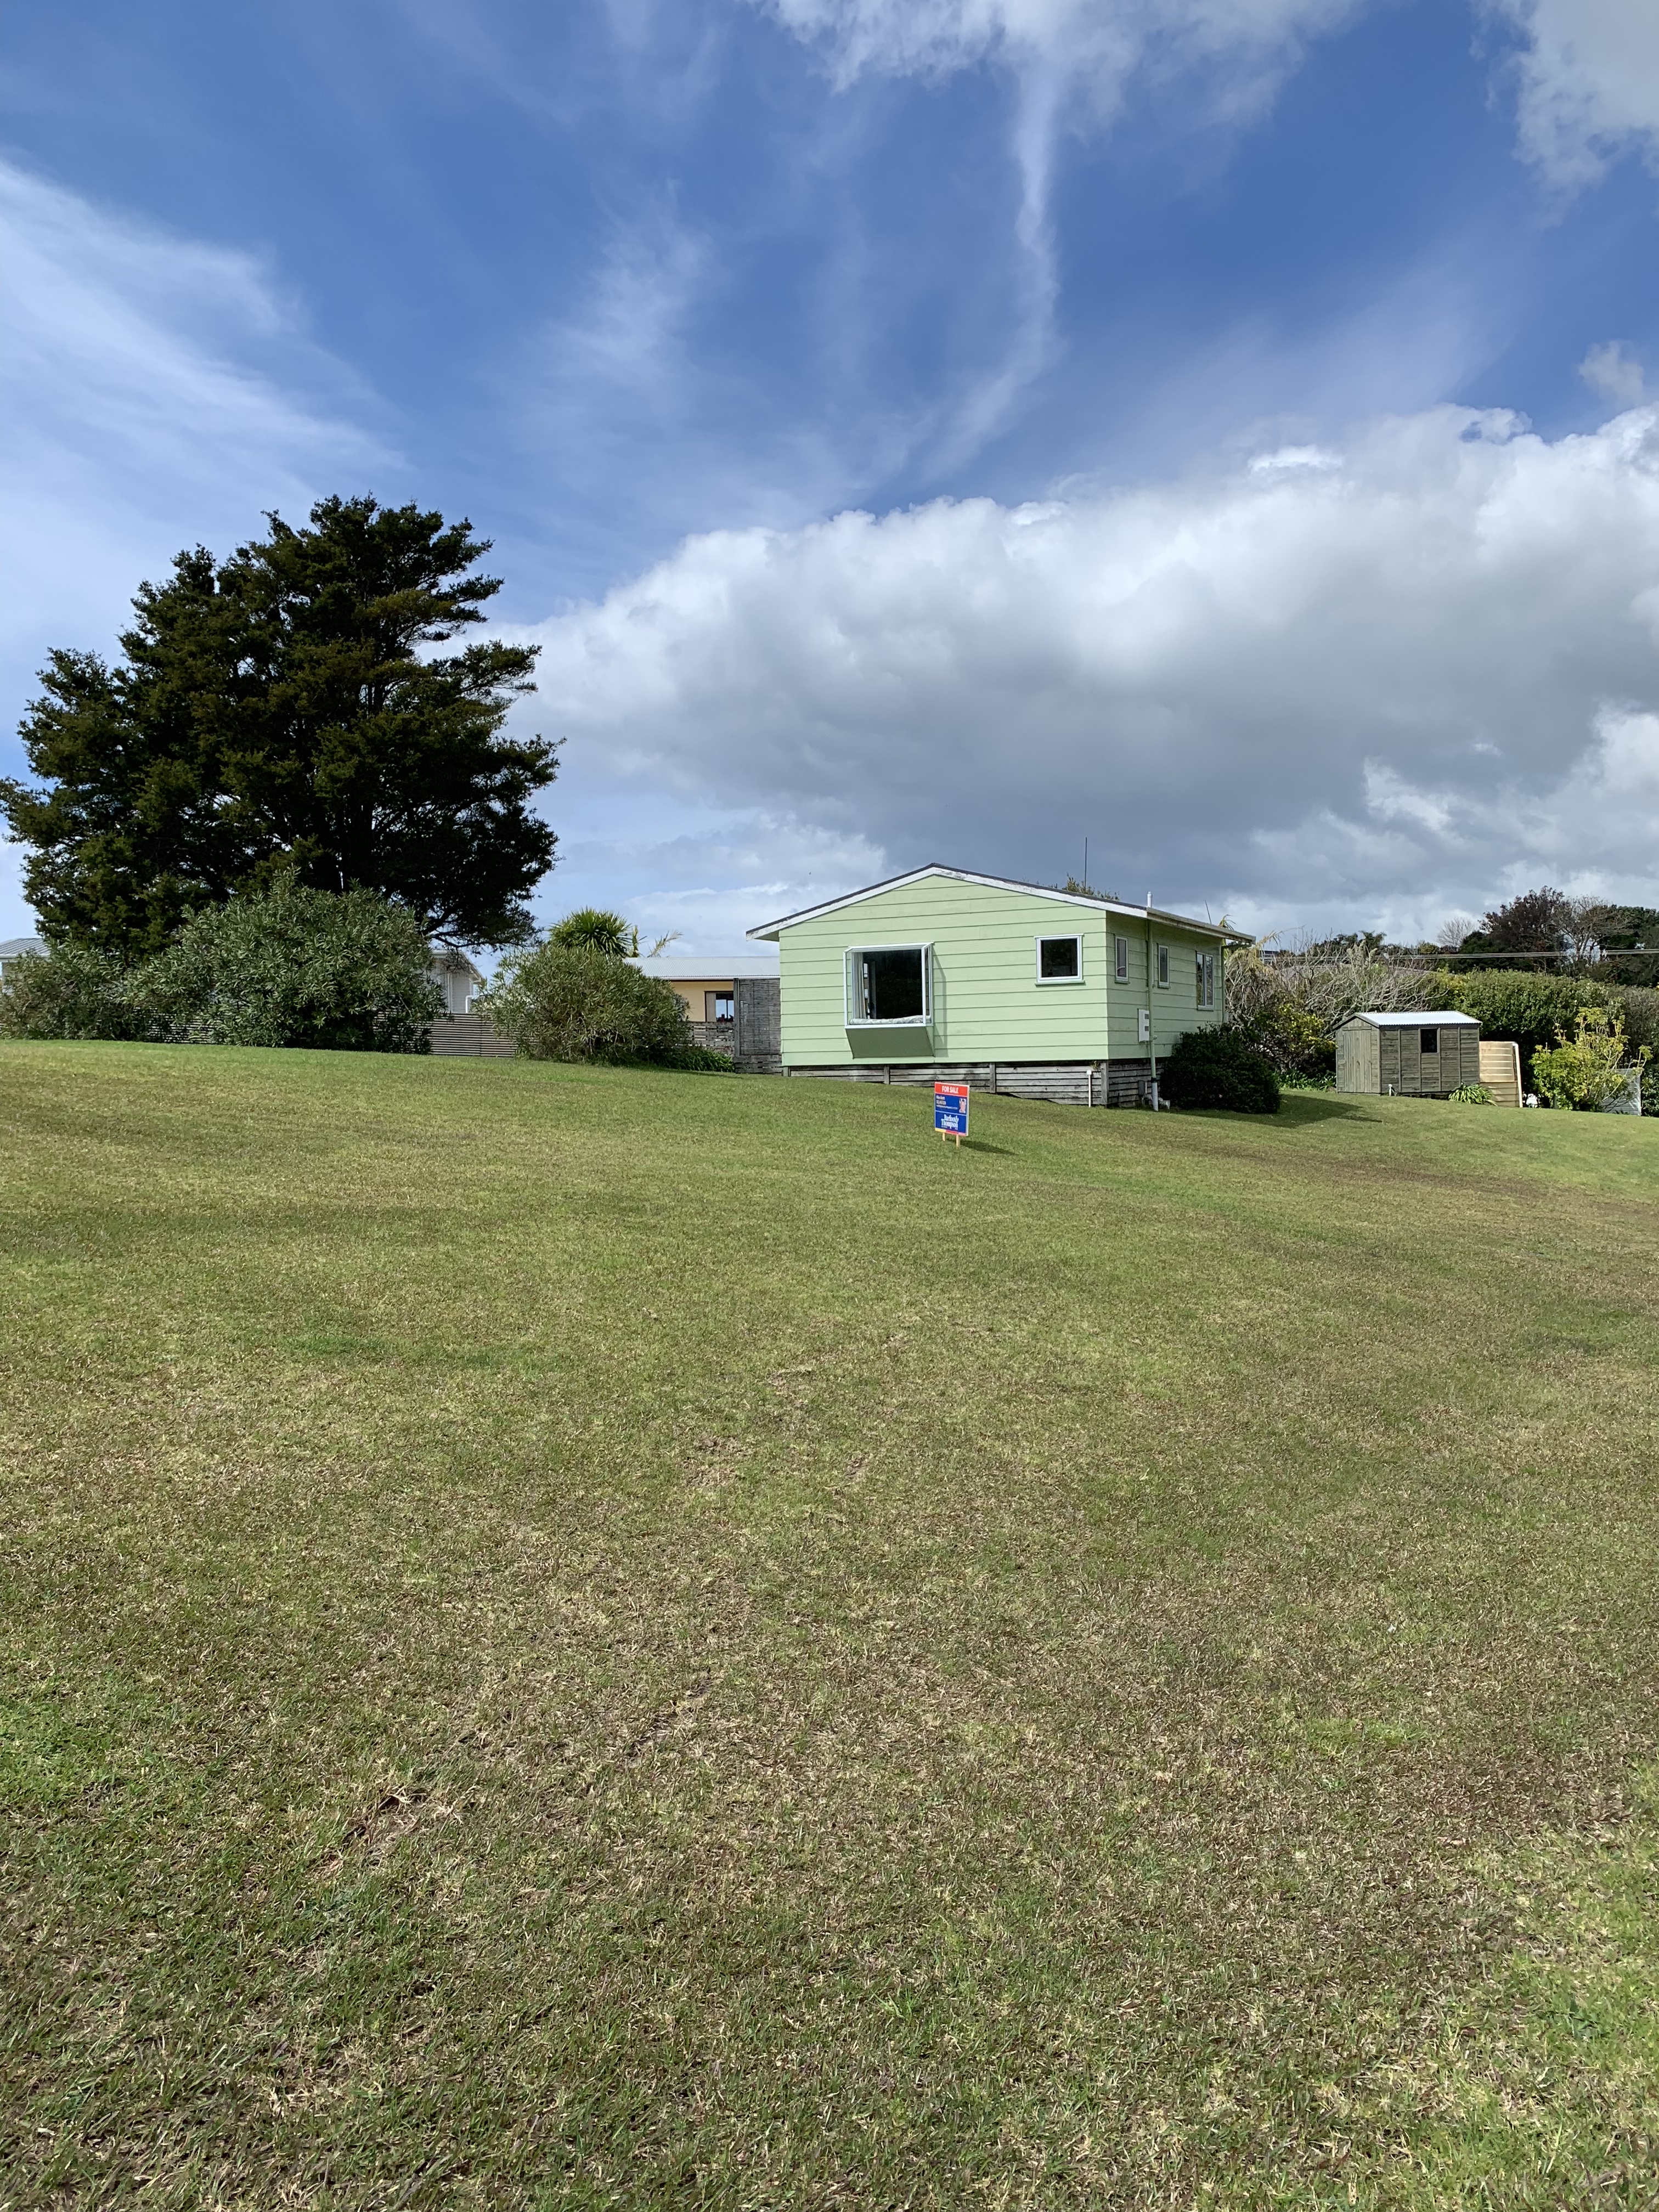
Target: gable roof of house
point(769, 930)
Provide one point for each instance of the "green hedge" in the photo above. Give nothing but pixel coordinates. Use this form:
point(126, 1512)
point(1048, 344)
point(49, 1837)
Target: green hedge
point(1534, 1009)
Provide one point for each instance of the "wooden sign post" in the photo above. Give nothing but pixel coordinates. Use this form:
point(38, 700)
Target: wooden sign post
point(950, 1111)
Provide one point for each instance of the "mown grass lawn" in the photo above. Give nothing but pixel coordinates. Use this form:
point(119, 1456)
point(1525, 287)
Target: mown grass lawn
point(575, 1638)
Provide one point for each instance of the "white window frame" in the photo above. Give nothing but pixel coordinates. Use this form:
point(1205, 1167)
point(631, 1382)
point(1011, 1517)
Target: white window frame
point(1119, 960)
point(857, 1021)
point(1205, 966)
point(1046, 982)
point(1161, 969)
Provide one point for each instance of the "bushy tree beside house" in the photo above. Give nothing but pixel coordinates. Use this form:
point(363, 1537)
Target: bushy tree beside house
point(574, 1002)
point(72, 992)
point(1218, 1068)
point(346, 971)
point(281, 965)
point(290, 709)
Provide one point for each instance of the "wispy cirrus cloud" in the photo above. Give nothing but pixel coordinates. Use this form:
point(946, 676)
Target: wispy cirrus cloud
point(1070, 62)
point(157, 392)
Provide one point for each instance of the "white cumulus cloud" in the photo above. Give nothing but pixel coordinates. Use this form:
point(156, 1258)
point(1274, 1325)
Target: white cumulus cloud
point(1613, 374)
point(1416, 672)
point(1589, 81)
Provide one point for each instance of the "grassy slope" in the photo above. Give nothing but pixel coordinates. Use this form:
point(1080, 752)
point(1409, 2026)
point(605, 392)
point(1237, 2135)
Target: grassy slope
point(578, 1638)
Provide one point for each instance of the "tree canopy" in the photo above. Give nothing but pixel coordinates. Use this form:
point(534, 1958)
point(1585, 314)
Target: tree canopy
point(283, 710)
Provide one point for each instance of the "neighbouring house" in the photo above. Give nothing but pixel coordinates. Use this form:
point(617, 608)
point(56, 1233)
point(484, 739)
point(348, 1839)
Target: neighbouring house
point(943, 975)
point(14, 948)
point(1409, 1055)
point(711, 990)
point(459, 1033)
point(457, 978)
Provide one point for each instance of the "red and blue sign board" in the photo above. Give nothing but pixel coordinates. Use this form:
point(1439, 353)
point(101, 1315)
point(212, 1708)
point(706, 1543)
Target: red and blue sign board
point(950, 1109)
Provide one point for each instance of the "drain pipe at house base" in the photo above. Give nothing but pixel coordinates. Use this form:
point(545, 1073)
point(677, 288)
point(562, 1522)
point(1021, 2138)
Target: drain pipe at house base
point(1151, 1042)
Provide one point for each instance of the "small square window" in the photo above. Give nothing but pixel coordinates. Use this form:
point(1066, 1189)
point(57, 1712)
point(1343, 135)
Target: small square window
point(1121, 949)
point(1163, 967)
point(1059, 959)
point(1428, 1040)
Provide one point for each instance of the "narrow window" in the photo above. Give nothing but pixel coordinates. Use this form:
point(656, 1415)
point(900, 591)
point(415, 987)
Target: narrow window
point(888, 983)
point(1205, 978)
point(1163, 967)
point(1059, 959)
point(1428, 1040)
point(1121, 970)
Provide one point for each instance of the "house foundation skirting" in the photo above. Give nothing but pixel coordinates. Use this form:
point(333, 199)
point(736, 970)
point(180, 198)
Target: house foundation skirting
point(1063, 1083)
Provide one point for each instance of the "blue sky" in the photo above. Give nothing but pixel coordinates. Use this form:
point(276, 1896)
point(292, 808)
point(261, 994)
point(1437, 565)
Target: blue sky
point(1137, 333)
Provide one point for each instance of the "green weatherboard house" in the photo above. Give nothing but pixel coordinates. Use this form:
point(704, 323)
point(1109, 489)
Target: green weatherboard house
point(944, 976)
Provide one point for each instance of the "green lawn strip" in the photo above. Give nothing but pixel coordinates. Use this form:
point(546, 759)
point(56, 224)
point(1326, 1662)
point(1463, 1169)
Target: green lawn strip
point(666, 1638)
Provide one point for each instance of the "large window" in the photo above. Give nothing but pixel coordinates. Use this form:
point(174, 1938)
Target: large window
point(1059, 959)
point(1205, 978)
point(888, 985)
point(719, 1006)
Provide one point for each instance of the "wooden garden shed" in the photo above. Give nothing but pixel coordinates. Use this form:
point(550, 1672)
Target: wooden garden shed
point(1408, 1055)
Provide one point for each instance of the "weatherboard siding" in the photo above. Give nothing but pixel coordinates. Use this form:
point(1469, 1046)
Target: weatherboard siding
point(987, 1003)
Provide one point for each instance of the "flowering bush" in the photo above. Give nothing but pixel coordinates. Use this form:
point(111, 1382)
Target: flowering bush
point(1590, 1070)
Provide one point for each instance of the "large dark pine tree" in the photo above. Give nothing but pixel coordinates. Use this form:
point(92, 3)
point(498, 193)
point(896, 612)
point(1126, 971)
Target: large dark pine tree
point(285, 708)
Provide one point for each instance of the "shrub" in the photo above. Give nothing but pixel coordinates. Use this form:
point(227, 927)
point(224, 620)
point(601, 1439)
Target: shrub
point(1218, 1067)
point(343, 971)
point(560, 1002)
point(74, 992)
point(1588, 1071)
point(1522, 1005)
point(700, 1060)
point(1287, 1008)
point(1470, 1094)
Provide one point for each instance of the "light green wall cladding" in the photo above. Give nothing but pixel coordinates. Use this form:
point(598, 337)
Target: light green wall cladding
point(987, 1002)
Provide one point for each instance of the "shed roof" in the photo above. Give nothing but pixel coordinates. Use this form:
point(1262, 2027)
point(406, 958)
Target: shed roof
point(1429, 1020)
point(770, 929)
point(14, 947)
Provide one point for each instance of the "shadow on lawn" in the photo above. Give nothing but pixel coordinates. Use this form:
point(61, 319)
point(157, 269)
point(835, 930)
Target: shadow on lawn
point(1317, 1106)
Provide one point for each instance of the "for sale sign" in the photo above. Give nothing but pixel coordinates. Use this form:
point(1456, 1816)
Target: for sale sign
point(951, 1109)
